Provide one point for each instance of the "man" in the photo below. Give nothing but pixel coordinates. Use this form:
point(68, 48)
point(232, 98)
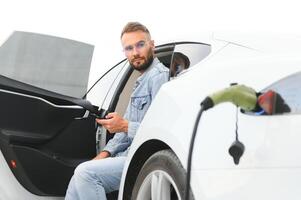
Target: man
point(92, 179)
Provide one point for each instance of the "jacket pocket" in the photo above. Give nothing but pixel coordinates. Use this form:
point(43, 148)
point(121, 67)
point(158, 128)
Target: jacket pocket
point(139, 107)
point(140, 102)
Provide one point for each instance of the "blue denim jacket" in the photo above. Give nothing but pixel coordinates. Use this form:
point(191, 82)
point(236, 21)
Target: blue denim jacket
point(146, 87)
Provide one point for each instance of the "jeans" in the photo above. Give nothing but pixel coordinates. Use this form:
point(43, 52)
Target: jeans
point(93, 179)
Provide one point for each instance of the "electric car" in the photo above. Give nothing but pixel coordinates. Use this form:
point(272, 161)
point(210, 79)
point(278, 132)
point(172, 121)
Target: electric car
point(47, 120)
point(238, 152)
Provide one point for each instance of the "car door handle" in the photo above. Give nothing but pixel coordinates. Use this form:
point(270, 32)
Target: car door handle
point(86, 115)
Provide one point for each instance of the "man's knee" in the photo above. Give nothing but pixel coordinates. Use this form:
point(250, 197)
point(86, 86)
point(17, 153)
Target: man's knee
point(88, 171)
point(82, 172)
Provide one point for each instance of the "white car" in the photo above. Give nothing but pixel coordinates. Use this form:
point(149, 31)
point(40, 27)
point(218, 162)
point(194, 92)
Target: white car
point(47, 120)
point(269, 167)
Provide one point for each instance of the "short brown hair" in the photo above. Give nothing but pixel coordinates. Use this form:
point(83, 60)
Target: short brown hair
point(134, 26)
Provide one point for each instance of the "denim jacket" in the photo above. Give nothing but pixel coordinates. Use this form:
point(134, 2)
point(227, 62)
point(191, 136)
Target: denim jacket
point(145, 89)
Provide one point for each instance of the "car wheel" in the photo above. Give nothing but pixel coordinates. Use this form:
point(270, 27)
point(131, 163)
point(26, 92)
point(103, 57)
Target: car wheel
point(162, 177)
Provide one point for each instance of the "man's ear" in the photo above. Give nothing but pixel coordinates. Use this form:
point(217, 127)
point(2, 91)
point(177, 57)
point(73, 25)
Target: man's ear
point(152, 42)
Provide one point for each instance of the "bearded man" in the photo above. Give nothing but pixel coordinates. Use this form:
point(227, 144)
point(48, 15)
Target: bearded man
point(94, 178)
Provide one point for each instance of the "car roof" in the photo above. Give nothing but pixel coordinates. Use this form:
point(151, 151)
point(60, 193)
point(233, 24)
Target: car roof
point(265, 42)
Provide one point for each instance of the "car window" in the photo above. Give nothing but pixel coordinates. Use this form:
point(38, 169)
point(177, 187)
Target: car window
point(55, 64)
point(290, 91)
point(186, 55)
point(106, 85)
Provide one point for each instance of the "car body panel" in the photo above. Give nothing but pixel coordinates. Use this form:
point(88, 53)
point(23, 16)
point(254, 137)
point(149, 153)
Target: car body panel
point(275, 183)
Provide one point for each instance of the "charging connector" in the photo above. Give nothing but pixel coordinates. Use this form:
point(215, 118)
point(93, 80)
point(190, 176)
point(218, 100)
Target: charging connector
point(241, 96)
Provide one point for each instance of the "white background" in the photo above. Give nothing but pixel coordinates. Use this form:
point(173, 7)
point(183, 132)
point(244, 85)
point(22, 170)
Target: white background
point(99, 22)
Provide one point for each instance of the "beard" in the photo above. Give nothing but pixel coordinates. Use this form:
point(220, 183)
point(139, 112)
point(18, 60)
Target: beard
point(147, 61)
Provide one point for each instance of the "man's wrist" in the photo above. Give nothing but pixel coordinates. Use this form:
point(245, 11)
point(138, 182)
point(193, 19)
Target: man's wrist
point(105, 153)
point(126, 126)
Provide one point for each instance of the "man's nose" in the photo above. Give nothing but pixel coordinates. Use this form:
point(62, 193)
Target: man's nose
point(135, 51)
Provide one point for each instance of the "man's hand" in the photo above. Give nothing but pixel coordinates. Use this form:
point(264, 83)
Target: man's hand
point(114, 123)
point(102, 155)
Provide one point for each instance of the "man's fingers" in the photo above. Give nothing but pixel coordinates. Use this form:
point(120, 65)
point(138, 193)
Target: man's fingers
point(102, 121)
point(111, 115)
point(113, 123)
point(106, 124)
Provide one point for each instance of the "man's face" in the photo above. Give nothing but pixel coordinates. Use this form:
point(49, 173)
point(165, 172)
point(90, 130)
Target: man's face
point(138, 49)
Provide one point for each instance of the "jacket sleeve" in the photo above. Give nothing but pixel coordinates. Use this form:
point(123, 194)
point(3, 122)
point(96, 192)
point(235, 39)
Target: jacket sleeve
point(120, 140)
point(117, 144)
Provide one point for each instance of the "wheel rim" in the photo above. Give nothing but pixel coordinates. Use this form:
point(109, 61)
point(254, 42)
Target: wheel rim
point(158, 185)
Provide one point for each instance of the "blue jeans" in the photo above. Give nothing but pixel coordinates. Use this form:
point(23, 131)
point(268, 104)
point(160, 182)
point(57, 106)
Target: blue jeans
point(94, 178)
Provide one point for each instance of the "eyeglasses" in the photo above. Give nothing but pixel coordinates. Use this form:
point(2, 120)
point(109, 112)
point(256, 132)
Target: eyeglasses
point(139, 46)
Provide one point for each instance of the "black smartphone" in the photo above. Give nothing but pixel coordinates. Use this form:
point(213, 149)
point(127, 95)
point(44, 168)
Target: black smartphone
point(100, 114)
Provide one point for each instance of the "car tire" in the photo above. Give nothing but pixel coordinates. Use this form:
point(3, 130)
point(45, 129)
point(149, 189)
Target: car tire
point(161, 177)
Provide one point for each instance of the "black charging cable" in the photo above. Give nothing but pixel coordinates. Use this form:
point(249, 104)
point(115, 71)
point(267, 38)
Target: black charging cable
point(205, 105)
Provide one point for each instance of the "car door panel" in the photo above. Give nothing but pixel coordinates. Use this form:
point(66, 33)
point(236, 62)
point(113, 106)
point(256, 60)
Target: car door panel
point(34, 117)
point(45, 126)
point(40, 137)
point(24, 116)
point(36, 134)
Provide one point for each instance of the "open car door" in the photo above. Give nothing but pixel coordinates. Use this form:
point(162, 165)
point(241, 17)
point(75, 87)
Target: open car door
point(45, 126)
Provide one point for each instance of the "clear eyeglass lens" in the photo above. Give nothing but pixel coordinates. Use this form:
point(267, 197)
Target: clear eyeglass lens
point(138, 46)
